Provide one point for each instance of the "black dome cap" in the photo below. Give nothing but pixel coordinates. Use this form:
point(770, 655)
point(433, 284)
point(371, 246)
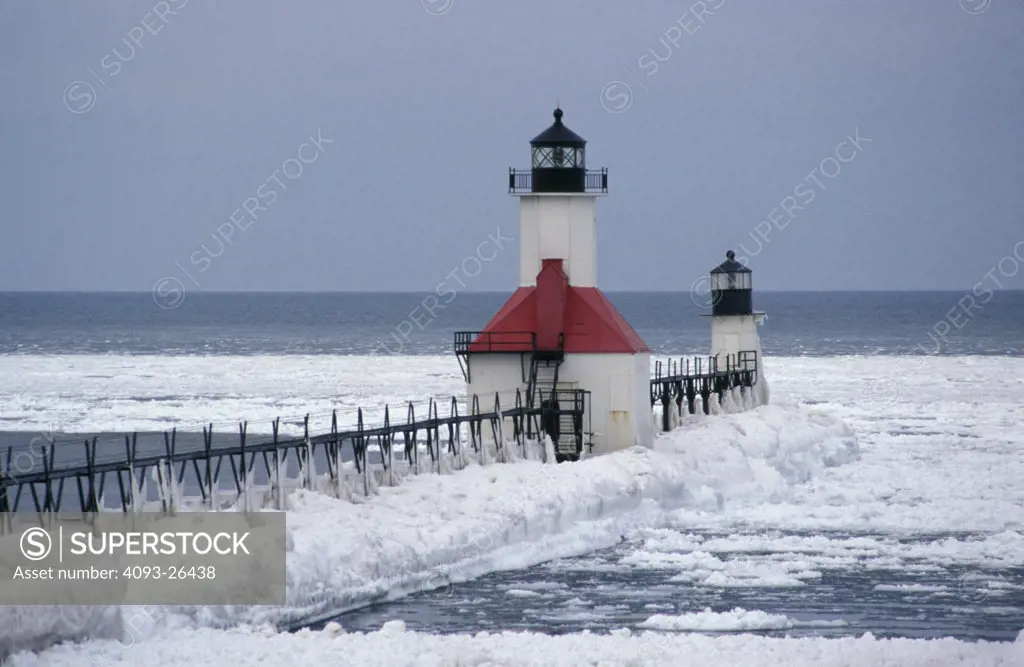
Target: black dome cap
point(558, 135)
point(730, 265)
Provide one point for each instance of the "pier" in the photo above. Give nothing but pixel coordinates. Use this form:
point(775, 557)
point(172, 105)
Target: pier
point(221, 470)
point(63, 475)
point(676, 381)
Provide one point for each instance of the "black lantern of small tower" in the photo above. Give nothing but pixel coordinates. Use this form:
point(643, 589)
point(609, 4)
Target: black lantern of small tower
point(731, 288)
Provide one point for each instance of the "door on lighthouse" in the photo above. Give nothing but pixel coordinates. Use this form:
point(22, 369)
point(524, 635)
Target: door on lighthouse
point(618, 428)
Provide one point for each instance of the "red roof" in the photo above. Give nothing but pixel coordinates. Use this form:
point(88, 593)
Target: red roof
point(590, 322)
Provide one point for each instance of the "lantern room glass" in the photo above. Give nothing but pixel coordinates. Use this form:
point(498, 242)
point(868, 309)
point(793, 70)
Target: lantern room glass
point(728, 281)
point(558, 157)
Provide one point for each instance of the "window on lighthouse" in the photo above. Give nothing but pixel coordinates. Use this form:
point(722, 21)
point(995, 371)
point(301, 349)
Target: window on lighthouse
point(723, 281)
point(557, 157)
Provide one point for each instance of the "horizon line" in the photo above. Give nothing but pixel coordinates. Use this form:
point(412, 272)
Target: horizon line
point(495, 291)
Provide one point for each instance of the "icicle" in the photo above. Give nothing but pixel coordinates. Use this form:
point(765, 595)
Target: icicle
point(549, 449)
point(369, 481)
point(339, 470)
point(207, 486)
point(348, 484)
point(510, 453)
point(172, 489)
point(97, 499)
point(391, 464)
point(250, 486)
point(184, 499)
point(727, 405)
point(161, 486)
point(309, 468)
point(154, 480)
point(215, 492)
point(278, 487)
point(500, 445)
point(482, 460)
point(462, 447)
point(137, 490)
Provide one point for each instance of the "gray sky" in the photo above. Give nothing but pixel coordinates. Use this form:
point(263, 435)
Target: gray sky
point(428, 111)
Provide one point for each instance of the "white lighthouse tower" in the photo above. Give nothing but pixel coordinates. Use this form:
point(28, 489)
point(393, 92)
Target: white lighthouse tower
point(733, 319)
point(558, 336)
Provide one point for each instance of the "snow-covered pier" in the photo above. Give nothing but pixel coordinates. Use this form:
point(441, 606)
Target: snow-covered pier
point(685, 379)
point(157, 471)
point(34, 477)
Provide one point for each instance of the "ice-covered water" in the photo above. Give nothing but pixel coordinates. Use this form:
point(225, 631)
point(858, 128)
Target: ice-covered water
point(885, 491)
point(836, 585)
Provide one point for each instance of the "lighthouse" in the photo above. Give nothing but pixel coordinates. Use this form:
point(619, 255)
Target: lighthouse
point(734, 320)
point(558, 339)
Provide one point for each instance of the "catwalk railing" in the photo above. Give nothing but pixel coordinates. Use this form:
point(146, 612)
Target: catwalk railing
point(686, 379)
point(181, 461)
point(492, 342)
point(594, 181)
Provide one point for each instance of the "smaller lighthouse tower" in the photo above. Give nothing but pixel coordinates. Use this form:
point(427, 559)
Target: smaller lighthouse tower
point(733, 319)
point(558, 336)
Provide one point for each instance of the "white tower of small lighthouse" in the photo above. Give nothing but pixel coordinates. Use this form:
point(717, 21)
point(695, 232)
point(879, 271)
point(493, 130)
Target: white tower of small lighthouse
point(558, 334)
point(733, 319)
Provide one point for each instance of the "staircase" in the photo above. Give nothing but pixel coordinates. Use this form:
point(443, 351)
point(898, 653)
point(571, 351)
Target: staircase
point(544, 366)
point(543, 377)
point(543, 393)
point(568, 448)
point(561, 417)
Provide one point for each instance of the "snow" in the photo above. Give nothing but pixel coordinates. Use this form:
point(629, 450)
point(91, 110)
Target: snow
point(942, 457)
point(438, 529)
point(392, 645)
point(709, 621)
point(94, 393)
point(790, 561)
point(38, 627)
point(911, 588)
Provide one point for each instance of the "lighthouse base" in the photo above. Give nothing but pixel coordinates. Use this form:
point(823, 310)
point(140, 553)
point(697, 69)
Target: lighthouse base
point(619, 386)
point(732, 334)
point(618, 411)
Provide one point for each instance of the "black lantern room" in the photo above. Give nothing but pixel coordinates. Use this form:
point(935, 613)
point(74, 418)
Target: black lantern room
point(731, 288)
point(559, 159)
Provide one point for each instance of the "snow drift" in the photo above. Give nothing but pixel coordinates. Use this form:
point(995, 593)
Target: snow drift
point(393, 645)
point(435, 530)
